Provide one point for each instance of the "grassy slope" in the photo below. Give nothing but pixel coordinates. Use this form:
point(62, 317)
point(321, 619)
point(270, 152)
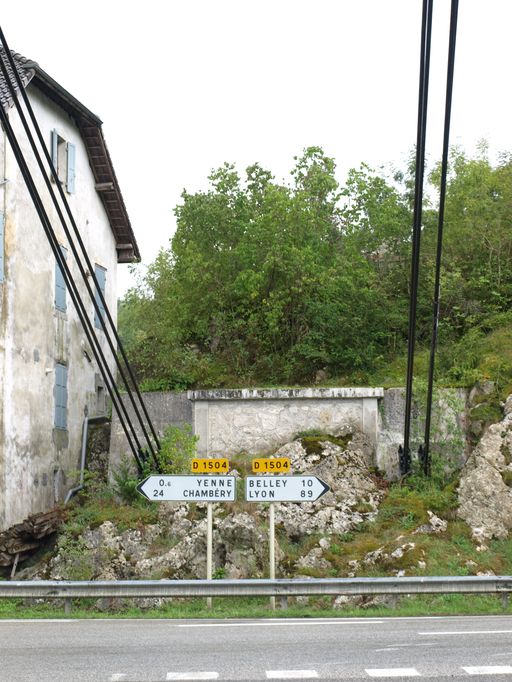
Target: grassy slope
point(403, 509)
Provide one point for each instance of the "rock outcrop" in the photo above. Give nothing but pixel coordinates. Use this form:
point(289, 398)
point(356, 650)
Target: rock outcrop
point(485, 492)
point(354, 495)
point(175, 546)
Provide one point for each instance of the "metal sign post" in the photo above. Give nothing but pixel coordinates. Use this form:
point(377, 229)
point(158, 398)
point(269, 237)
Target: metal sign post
point(207, 489)
point(281, 489)
point(209, 547)
point(272, 549)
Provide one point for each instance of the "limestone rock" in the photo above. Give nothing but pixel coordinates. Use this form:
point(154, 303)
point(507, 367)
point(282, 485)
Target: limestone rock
point(438, 525)
point(435, 525)
point(313, 560)
point(175, 546)
point(400, 551)
point(244, 546)
point(353, 497)
point(485, 498)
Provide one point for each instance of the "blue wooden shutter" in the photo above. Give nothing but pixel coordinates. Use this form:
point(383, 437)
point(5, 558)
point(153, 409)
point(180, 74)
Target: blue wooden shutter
point(70, 177)
point(2, 222)
point(60, 285)
point(55, 150)
point(101, 276)
point(61, 396)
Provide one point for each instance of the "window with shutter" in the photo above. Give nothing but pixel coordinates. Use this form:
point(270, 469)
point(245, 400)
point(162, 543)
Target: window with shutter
point(54, 150)
point(101, 278)
point(70, 179)
point(61, 396)
point(63, 155)
point(60, 285)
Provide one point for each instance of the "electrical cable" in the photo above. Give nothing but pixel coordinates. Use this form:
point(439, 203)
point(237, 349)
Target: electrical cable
point(426, 35)
point(440, 226)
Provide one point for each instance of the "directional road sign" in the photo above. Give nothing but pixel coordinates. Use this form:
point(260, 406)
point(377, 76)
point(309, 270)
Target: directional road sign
point(284, 488)
point(189, 488)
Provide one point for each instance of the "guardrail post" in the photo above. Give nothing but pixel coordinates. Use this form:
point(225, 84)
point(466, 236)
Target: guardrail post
point(505, 599)
point(67, 606)
point(393, 601)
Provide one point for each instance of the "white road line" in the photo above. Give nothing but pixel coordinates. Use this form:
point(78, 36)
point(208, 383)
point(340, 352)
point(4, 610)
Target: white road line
point(389, 648)
point(397, 647)
point(22, 621)
point(468, 632)
point(291, 674)
point(192, 676)
point(392, 672)
point(117, 677)
point(489, 670)
point(266, 624)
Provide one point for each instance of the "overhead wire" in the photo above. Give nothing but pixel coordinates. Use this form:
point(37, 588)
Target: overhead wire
point(425, 450)
point(426, 36)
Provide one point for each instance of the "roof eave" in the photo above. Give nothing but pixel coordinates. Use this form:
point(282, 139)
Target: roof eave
point(54, 90)
point(99, 158)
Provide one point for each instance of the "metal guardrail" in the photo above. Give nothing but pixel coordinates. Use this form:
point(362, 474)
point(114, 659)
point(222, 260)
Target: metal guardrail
point(252, 588)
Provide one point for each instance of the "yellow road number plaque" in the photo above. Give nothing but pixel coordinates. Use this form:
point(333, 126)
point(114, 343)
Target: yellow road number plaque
point(279, 465)
point(208, 466)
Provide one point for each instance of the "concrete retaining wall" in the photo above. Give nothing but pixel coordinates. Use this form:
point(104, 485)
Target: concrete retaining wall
point(163, 408)
point(448, 428)
point(258, 421)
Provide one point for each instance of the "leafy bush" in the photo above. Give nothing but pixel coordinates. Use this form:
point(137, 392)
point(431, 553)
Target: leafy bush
point(126, 481)
point(178, 448)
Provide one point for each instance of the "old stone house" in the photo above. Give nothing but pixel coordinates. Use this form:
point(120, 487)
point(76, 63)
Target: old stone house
point(49, 380)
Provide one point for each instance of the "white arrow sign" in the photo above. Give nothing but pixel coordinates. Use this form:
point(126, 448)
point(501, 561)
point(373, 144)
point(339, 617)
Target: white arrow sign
point(189, 488)
point(284, 488)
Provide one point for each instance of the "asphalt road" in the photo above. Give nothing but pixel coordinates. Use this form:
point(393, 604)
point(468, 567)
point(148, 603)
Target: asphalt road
point(476, 648)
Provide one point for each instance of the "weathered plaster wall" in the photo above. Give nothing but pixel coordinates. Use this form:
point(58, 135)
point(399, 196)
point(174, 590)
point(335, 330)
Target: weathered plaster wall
point(257, 421)
point(164, 409)
point(3, 322)
point(36, 460)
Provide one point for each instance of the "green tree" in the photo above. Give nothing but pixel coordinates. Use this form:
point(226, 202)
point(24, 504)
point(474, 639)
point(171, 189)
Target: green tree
point(477, 259)
point(261, 283)
point(268, 282)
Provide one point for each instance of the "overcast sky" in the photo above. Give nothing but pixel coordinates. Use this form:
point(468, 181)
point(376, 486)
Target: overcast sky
point(184, 85)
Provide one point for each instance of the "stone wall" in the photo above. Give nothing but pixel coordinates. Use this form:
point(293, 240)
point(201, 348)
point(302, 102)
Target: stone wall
point(257, 421)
